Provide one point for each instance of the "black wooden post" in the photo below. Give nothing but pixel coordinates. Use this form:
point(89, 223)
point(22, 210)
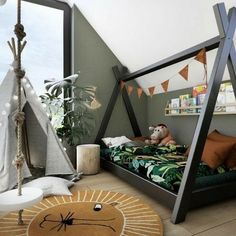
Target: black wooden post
point(128, 105)
point(232, 67)
point(223, 25)
point(223, 54)
point(111, 104)
point(181, 56)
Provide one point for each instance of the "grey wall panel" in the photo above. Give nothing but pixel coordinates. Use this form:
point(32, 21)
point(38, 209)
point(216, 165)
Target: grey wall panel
point(95, 60)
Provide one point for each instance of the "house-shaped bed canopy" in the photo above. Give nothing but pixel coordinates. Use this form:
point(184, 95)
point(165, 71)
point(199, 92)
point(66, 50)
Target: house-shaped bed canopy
point(187, 197)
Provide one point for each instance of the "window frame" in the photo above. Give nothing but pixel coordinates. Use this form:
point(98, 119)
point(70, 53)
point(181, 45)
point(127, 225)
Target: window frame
point(67, 15)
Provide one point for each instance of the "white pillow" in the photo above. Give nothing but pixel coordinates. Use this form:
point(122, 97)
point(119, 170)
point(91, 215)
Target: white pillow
point(114, 142)
point(51, 185)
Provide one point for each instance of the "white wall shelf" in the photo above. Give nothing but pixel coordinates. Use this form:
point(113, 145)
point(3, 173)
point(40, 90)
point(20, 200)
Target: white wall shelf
point(181, 111)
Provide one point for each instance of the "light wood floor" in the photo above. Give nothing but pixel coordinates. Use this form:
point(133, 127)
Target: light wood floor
point(214, 220)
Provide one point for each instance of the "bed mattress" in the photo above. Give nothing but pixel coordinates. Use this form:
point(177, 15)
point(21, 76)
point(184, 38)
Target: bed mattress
point(165, 165)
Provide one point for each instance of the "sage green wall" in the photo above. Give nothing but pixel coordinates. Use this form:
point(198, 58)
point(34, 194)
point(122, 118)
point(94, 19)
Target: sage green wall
point(183, 127)
point(95, 60)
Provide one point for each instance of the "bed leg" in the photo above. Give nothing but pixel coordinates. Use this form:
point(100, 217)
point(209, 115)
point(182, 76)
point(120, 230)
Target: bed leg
point(179, 216)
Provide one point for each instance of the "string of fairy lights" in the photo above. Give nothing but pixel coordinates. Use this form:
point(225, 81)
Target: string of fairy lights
point(13, 102)
point(14, 98)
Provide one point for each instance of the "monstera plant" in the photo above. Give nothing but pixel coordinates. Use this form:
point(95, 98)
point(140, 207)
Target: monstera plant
point(69, 107)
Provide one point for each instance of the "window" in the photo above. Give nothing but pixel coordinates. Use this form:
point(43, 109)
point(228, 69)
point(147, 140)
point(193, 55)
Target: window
point(47, 53)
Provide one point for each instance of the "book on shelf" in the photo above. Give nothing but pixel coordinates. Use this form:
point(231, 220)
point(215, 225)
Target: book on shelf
point(221, 99)
point(200, 89)
point(199, 93)
point(187, 103)
point(192, 102)
point(174, 104)
point(200, 101)
point(229, 97)
point(184, 102)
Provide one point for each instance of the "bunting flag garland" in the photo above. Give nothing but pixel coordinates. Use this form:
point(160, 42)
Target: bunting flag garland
point(139, 92)
point(184, 73)
point(165, 85)
point(122, 84)
point(201, 56)
point(130, 89)
point(151, 90)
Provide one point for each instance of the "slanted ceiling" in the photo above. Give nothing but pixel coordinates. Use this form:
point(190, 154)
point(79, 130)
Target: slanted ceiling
point(141, 32)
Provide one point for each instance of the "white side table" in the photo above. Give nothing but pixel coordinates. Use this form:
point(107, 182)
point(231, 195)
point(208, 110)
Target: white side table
point(10, 201)
point(88, 159)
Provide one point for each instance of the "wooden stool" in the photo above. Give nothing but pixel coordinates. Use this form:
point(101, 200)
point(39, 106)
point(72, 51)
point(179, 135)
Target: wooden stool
point(88, 159)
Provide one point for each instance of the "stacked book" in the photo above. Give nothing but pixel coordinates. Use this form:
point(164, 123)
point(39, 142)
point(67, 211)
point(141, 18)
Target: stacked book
point(174, 103)
point(221, 99)
point(183, 101)
point(187, 103)
point(225, 97)
point(199, 93)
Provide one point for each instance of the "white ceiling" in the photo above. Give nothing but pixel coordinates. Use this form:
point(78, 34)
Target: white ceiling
point(142, 32)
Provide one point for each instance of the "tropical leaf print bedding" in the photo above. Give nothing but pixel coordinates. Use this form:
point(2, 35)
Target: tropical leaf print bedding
point(163, 165)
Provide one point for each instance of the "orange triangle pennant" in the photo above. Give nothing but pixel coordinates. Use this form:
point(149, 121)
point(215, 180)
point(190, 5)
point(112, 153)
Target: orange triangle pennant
point(139, 92)
point(184, 73)
point(130, 89)
point(201, 56)
point(165, 85)
point(151, 90)
point(122, 84)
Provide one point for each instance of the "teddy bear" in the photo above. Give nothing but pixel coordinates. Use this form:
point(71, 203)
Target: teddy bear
point(160, 135)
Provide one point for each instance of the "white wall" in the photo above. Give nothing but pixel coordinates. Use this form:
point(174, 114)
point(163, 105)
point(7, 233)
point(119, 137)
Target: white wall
point(142, 32)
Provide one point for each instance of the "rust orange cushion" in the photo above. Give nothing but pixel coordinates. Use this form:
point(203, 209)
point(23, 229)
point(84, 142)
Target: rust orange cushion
point(217, 136)
point(215, 153)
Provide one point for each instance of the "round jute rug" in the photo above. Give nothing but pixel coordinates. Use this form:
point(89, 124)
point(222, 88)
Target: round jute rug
point(86, 213)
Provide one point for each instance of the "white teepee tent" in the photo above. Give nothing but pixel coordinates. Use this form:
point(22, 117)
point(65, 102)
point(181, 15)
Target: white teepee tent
point(44, 146)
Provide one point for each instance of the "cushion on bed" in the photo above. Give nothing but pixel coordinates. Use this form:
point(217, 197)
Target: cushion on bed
point(141, 138)
point(217, 136)
point(215, 153)
point(116, 141)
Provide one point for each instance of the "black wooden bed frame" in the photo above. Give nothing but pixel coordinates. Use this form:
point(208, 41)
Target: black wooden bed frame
point(187, 197)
